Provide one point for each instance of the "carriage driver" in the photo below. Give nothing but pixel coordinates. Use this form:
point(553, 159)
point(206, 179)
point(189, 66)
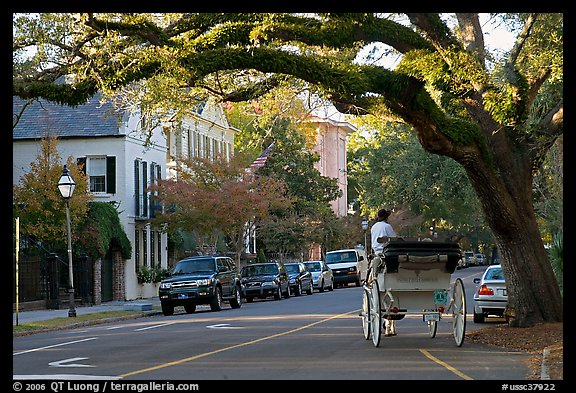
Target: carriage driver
point(381, 230)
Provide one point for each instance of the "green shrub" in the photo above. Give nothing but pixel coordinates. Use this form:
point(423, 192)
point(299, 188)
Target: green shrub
point(146, 274)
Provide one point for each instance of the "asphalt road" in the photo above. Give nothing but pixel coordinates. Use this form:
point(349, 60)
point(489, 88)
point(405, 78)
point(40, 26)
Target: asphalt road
point(310, 337)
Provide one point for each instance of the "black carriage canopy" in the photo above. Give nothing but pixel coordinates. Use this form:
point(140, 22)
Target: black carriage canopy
point(421, 255)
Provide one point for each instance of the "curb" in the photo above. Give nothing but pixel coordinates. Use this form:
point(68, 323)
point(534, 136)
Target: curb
point(88, 323)
point(544, 369)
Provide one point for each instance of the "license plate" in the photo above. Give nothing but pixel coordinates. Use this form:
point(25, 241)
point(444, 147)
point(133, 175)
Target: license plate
point(182, 296)
point(431, 317)
point(504, 292)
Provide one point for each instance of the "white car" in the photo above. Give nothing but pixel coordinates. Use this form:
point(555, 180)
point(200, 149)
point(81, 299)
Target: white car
point(322, 277)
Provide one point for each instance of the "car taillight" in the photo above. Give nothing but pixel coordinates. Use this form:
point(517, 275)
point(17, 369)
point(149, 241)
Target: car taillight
point(484, 290)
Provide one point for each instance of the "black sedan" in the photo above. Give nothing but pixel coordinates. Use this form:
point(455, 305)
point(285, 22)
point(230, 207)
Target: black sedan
point(300, 278)
point(262, 280)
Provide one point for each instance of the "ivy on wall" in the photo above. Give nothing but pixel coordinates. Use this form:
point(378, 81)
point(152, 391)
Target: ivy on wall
point(102, 231)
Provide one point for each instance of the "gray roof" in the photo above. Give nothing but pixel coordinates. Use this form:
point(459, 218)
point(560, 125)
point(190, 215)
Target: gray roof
point(44, 118)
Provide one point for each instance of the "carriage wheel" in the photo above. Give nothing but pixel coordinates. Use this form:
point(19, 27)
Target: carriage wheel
point(366, 314)
point(459, 311)
point(376, 316)
point(432, 328)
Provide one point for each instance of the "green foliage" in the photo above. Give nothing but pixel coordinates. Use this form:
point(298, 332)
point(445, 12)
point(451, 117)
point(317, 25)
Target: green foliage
point(556, 253)
point(387, 167)
point(145, 274)
point(103, 230)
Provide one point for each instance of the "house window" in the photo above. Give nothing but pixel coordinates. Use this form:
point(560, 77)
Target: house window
point(101, 172)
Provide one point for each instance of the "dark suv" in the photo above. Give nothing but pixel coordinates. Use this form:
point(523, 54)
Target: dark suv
point(262, 280)
point(205, 279)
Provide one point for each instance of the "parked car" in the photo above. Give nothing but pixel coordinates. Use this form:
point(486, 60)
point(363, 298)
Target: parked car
point(300, 278)
point(469, 258)
point(201, 280)
point(262, 280)
point(480, 260)
point(491, 296)
point(322, 277)
point(344, 265)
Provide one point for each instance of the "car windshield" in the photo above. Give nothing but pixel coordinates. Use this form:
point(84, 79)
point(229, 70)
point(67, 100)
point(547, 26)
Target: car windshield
point(292, 268)
point(195, 266)
point(494, 274)
point(260, 270)
point(338, 257)
point(313, 266)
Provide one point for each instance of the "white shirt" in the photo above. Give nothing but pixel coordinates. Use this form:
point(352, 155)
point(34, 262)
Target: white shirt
point(380, 229)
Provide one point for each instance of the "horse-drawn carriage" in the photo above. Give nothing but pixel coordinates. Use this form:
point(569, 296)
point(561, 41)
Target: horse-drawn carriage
point(413, 277)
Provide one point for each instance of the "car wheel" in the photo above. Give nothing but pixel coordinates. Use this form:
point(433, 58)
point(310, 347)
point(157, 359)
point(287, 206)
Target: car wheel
point(298, 290)
point(190, 308)
point(288, 292)
point(167, 309)
point(478, 318)
point(321, 287)
point(216, 302)
point(278, 294)
point(237, 301)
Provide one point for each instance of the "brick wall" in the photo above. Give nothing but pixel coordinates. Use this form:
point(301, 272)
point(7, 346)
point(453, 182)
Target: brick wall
point(118, 283)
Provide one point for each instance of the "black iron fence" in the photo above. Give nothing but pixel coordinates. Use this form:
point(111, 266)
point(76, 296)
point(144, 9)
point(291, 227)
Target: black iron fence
point(43, 276)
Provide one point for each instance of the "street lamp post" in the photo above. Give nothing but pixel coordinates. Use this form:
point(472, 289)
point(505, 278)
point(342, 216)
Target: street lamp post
point(66, 186)
point(365, 228)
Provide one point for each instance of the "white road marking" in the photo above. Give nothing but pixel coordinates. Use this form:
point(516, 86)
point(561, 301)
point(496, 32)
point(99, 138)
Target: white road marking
point(54, 346)
point(63, 377)
point(154, 327)
point(61, 363)
point(223, 326)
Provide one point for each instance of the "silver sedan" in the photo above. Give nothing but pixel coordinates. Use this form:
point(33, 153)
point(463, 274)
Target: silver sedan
point(322, 276)
point(491, 296)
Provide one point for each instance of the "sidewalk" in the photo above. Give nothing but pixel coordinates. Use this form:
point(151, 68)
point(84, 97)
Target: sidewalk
point(42, 315)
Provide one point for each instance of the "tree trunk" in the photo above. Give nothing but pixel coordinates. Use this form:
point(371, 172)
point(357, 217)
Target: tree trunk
point(533, 292)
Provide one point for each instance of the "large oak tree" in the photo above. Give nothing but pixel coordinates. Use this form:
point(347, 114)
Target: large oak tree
point(497, 120)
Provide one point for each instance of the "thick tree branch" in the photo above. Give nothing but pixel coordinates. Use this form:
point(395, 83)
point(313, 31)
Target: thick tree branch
point(472, 36)
point(435, 29)
point(550, 128)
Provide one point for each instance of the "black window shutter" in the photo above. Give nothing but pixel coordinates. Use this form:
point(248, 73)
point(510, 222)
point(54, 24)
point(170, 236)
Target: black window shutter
point(137, 186)
point(111, 175)
point(144, 187)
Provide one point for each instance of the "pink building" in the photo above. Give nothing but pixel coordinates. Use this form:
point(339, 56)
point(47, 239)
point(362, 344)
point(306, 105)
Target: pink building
point(331, 137)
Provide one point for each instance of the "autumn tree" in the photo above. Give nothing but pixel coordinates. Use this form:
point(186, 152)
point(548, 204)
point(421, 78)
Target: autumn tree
point(487, 113)
point(215, 196)
point(39, 204)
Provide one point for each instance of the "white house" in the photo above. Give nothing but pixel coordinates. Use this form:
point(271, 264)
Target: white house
point(120, 166)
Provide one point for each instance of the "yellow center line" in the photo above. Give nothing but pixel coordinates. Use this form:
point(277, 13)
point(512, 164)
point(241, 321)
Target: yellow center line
point(444, 364)
point(202, 355)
